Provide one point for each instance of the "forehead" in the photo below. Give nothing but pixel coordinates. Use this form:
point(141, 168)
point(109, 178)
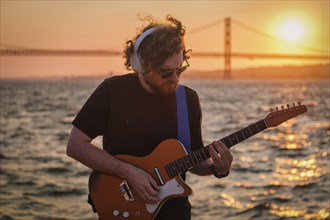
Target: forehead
point(173, 61)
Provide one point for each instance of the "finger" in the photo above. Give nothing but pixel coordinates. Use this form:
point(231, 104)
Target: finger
point(224, 159)
point(223, 164)
point(151, 198)
point(154, 184)
point(152, 190)
point(218, 163)
point(146, 196)
point(218, 148)
point(214, 154)
point(141, 195)
point(226, 150)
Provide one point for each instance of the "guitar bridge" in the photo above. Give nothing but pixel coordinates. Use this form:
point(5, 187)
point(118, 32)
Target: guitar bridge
point(126, 191)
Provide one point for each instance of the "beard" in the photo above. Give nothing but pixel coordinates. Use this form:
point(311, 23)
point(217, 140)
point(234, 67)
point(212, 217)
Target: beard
point(168, 87)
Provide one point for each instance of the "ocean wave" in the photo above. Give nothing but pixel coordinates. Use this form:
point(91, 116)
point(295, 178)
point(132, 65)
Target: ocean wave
point(56, 170)
point(51, 190)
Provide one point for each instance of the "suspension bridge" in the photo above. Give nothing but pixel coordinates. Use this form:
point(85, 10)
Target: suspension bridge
point(227, 54)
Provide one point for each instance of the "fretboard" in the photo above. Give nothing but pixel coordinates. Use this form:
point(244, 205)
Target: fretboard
point(185, 163)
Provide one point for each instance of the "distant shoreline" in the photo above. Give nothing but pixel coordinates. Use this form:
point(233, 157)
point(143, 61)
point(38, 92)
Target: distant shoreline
point(282, 72)
point(306, 72)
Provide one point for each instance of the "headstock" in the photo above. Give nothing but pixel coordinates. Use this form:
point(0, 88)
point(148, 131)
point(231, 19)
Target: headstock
point(278, 116)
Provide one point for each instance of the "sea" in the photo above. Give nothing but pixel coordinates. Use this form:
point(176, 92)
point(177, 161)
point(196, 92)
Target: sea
point(280, 173)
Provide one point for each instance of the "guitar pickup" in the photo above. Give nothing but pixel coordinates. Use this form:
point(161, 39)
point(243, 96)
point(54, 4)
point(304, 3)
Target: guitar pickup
point(126, 191)
point(161, 181)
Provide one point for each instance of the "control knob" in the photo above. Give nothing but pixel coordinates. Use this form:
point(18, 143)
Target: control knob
point(126, 214)
point(116, 212)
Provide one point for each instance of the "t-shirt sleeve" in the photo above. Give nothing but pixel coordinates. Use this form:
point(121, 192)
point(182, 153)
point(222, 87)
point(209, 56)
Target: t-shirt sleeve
point(93, 116)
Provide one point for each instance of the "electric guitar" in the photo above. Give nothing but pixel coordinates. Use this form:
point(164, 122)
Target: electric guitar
point(113, 198)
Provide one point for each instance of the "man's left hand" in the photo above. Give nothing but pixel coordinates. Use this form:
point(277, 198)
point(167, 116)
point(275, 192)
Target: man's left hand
point(221, 156)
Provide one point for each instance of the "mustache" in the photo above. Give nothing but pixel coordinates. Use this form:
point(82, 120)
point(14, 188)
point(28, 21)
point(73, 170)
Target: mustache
point(172, 82)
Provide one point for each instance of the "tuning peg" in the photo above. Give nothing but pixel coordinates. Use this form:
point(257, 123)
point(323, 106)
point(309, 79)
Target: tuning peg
point(276, 108)
point(271, 109)
point(288, 105)
point(282, 107)
point(294, 105)
point(299, 103)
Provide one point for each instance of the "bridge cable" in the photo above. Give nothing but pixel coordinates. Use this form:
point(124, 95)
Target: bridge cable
point(205, 26)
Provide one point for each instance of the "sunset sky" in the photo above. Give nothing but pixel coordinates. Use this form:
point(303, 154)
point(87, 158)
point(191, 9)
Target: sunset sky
point(295, 27)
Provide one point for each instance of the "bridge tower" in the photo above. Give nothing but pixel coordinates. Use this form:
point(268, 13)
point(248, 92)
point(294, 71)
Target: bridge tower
point(227, 54)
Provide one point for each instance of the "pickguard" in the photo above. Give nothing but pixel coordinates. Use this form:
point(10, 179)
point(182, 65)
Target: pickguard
point(171, 187)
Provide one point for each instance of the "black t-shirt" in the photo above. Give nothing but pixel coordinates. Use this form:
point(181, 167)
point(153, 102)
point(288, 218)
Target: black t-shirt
point(133, 121)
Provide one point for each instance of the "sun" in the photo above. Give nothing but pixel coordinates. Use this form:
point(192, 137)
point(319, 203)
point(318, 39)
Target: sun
point(293, 31)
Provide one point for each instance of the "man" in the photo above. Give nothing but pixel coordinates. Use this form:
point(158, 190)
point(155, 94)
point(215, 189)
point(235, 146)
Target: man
point(137, 111)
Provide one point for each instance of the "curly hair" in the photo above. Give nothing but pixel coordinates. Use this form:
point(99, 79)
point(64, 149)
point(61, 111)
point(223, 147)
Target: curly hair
point(159, 45)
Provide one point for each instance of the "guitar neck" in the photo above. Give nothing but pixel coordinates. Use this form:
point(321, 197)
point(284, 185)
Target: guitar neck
point(184, 164)
point(244, 133)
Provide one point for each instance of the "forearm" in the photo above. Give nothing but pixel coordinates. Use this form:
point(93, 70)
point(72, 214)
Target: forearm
point(81, 149)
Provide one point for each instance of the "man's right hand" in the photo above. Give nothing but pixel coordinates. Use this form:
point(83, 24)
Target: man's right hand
point(80, 148)
point(142, 184)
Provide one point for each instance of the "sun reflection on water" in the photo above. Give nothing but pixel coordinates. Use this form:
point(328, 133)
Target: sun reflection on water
point(231, 201)
point(288, 212)
point(284, 211)
point(292, 172)
point(289, 141)
point(280, 211)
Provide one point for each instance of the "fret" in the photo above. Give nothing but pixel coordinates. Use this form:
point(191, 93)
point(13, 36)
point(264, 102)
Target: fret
point(242, 133)
point(169, 170)
point(254, 129)
point(203, 154)
point(228, 138)
point(195, 157)
point(175, 170)
point(246, 132)
point(261, 125)
point(178, 166)
point(184, 165)
point(226, 141)
point(233, 139)
point(172, 171)
point(198, 156)
point(240, 136)
point(190, 158)
point(187, 162)
point(206, 152)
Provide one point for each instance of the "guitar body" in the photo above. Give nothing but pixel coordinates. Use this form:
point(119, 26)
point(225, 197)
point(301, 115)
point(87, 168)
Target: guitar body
point(112, 197)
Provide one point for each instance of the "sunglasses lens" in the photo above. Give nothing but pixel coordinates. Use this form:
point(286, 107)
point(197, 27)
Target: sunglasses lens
point(181, 69)
point(166, 74)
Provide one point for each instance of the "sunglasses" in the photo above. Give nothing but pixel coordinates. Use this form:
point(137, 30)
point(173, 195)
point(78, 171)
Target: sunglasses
point(168, 73)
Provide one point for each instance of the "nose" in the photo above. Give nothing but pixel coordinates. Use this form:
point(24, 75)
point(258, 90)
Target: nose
point(174, 77)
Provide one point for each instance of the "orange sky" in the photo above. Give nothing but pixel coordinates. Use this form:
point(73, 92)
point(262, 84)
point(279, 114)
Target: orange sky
point(108, 24)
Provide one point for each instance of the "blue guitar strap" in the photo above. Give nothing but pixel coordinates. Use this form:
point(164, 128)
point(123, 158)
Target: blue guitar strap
point(182, 118)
